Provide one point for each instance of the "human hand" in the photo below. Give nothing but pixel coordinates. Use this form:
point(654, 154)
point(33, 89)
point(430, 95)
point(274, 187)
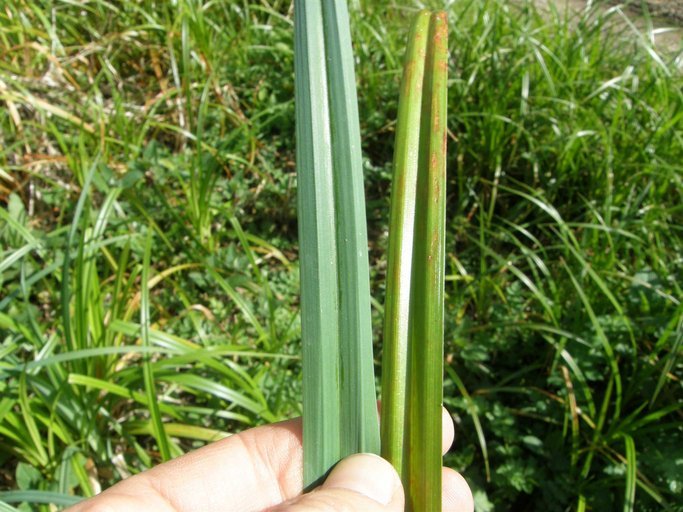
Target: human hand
point(261, 470)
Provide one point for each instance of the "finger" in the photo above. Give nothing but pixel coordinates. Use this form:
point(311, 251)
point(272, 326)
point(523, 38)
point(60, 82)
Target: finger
point(447, 428)
point(253, 470)
point(447, 431)
point(457, 496)
point(359, 482)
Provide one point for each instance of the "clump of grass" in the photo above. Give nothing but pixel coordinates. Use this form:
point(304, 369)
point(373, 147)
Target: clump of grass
point(82, 311)
point(554, 165)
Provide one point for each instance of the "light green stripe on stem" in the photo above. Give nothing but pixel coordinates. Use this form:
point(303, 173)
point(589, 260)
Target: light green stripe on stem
point(317, 246)
point(359, 427)
point(425, 370)
point(401, 230)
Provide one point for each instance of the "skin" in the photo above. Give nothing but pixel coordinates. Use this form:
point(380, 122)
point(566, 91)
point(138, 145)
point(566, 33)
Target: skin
point(261, 470)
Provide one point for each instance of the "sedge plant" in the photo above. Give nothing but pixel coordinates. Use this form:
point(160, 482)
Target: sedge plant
point(339, 394)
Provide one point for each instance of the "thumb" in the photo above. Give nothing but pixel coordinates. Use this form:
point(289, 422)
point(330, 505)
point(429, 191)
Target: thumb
point(359, 482)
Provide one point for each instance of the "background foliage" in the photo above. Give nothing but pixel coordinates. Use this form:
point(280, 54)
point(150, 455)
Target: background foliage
point(148, 242)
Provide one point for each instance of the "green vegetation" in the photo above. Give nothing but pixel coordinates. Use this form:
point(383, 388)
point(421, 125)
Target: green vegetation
point(339, 397)
point(412, 347)
point(170, 126)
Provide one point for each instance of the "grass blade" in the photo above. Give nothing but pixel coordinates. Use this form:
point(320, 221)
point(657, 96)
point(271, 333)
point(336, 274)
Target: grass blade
point(148, 372)
point(36, 497)
point(32, 430)
point(4, 507)
point(472, 408)
point(339, 390)
point(673, 353)
point(317, 246)
point(66, 291)
point(243, 305)
point(425, 370)
point(395, 343)
point(360, 429)
point(631, 476)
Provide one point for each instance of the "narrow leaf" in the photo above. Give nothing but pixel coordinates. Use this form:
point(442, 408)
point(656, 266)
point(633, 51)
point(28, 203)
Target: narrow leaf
point(30, 424)
point(359, 429)
point(340, 415)
point(631, 474)
point(44, 497)
point(425, 369)
point(148, 372)
point(317, 245)
point(401, 232)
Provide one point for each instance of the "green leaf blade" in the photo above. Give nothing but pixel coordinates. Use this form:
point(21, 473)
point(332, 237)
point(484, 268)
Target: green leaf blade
point(147, 370)
point(359, 428)
point(399, 261)
point(317, 246)
point(425, 370)
point(631, 474)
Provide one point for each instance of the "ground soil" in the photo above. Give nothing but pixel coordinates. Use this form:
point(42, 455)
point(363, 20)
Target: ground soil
point(669, 9)
point(646, 14)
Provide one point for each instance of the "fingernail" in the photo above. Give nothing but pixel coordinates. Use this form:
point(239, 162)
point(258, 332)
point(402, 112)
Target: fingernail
point(366, 474)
